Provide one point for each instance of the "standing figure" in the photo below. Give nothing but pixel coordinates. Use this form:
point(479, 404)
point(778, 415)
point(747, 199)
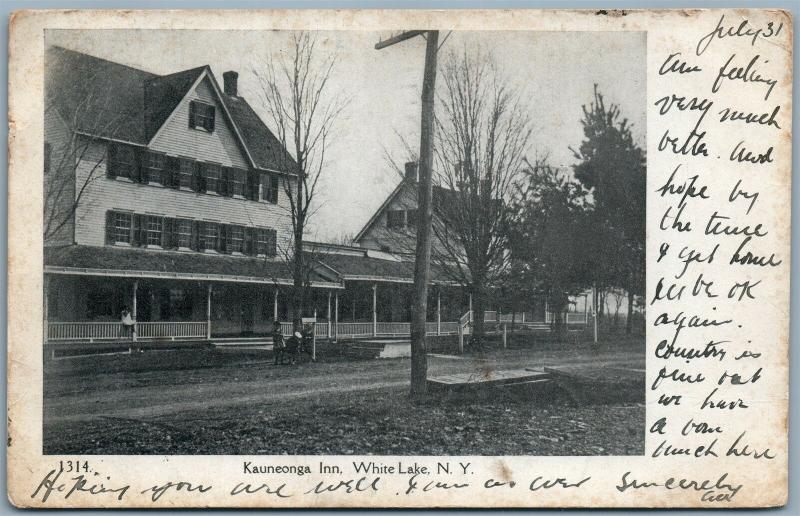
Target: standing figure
point(128, 324)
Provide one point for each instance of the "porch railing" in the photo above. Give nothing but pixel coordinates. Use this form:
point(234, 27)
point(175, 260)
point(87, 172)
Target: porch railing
point(171, 330)
point(351, 329)
point(105, 331)
point(570, 317)
point(164, 330)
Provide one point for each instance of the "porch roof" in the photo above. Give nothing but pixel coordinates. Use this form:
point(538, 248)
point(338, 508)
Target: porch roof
point(367, 268)
point(128, 262)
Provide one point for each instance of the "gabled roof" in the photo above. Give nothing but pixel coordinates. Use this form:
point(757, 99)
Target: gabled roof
point(380, 210)
point(440, 196)
point(163, 94)
point(110, 100)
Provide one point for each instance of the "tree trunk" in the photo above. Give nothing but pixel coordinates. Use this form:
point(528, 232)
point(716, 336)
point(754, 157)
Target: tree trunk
point(630, 313)
point(478, 313)
point(298, 283)
point(419, 359)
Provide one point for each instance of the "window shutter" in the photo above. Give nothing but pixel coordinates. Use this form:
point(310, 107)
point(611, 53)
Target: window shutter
point(249, 241)
point(166, 233)
point(272, 245)
point(273, 188)
point(195, 243)
point(139, 228)
point(192, 109)
point(109, 227)
point(223, 181)
point(196, 178)
point(111, 153)
point(222, 241)
point(139, 170)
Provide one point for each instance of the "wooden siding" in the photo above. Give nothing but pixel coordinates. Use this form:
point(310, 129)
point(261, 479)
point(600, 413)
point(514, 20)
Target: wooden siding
point(59, 184)
point(177, 138)
point(380, 235)
point(113, 194)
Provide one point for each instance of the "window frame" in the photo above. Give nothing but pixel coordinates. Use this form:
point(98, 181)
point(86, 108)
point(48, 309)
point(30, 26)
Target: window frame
point(202, 115)
point(210, 184)
point(149, 168)
point(178, 234)
point(266, 241)
point(393, 223)
point(119, 230)
point(204, 235)
point(184, 177)
point(230, 240)
point(152, 220)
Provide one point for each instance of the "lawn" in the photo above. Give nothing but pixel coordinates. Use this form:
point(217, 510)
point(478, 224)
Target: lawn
point(212, 403)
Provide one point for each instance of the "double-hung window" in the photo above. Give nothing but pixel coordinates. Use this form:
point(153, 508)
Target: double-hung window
point(265, 242)
point(235, 239)
point(155, 229)
point(271, 186)
point(183, 233)
point(236, 180)
point(201, 115)
point(154, 168)
point(187, 172)
point(209, 236)
point(121, 227)
point(211, 177)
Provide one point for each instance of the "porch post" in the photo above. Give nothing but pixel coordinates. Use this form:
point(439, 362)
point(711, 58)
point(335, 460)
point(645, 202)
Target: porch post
point(438, 311)
point(208, 312)
point(275, 305)
point(45, 311)
point(470, 307)
point(374, 309)
point(135, 322)
point(329, 315)
point(336, 315)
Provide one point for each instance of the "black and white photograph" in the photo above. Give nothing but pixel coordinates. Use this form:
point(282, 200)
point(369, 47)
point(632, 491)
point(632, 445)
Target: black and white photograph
point(390, 243)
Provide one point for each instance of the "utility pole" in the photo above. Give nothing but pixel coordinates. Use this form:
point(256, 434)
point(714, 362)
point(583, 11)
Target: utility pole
point(419, 359)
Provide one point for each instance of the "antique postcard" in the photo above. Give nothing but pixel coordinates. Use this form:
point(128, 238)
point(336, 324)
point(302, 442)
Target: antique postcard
point(477, 258)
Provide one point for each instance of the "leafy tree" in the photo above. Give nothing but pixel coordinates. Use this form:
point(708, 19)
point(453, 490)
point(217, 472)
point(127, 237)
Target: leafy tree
point(548, 244)
point(613, 167)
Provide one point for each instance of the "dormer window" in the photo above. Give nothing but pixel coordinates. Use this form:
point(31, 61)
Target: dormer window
point(201, 116)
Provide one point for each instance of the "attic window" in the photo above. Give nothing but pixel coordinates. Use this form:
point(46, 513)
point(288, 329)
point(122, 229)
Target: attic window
point(395, 218)
point(201, 116)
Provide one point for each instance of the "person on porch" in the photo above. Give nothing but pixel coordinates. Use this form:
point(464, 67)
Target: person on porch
point(277, 342)
point(128, 324)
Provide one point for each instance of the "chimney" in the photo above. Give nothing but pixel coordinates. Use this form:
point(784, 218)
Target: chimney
point(231, 79)
point(411, 171)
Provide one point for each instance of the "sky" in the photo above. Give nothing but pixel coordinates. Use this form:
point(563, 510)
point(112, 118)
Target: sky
point(554, 71)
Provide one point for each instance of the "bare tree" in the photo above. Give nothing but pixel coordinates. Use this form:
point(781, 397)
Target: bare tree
point(483, 133)
point(296, 94)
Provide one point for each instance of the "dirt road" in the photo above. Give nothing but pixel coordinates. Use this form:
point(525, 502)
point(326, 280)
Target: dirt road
point(147, 394)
